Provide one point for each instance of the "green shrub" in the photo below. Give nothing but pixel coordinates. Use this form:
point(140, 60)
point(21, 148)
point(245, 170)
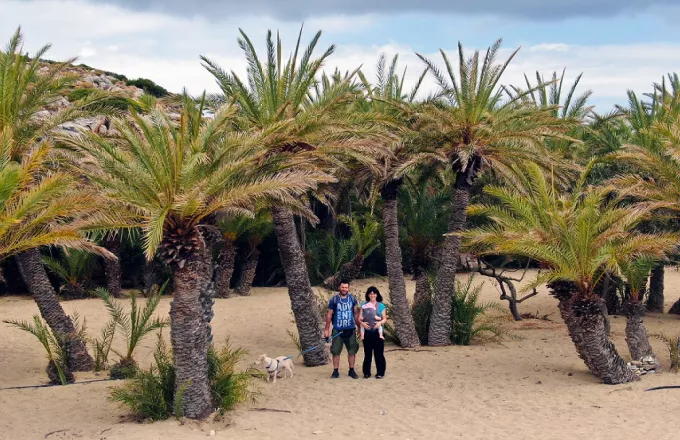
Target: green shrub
point(467, 315)
point(148, 86)
point(102, 346)
point(78, 94)
point(673, 345)
point(151, 393)
point(135, 326)
point(55, 347)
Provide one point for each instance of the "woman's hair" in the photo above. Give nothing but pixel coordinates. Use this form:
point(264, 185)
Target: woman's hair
point(375, 290)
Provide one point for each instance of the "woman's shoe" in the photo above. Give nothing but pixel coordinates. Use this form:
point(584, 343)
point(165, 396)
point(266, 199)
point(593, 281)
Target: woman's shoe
point(378, 376)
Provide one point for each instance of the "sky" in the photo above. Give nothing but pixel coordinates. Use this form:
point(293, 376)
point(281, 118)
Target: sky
point(617, 45)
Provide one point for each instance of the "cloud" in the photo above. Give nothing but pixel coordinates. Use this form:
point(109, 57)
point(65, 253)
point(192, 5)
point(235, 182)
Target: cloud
point(166, 48)
point(303, 9)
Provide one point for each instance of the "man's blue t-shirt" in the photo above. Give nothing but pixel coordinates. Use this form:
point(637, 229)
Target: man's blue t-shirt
point(343, 316)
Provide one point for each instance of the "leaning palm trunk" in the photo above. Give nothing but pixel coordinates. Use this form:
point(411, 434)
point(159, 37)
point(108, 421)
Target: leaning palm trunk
point(112, 266)
point(35, 277)
point(656, 298)
point(348, 272)
point(423, 291)
point(605, 361)
point(225, 267)
point(302, 300)
point(245, 281)
point(440, 325)
point(636, 332)
point(188, 334)
point(401, 312)
point(587, 329)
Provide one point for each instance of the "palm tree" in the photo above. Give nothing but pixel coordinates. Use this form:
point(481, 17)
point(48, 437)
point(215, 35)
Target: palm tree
point(173, 179)
point(576, 237)
point(388, 97)
point(43, 208)
point(27, 87)
point(74, 269)
point(472, 128)
point(302, 125)
point(258, 229)
point(636, 273)
point(424, 217)
point(363, 241)
point(652, 151)
point(239, 229)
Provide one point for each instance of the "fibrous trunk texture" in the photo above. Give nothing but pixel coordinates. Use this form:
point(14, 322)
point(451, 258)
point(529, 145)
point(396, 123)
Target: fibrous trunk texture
point(245, 281)
point(225, 267)
point(112, 266)
point(189, 337)
point(636, 332)
point(656, 298)
point(348, 272)
point(305, 311)
point(401, 311)
point(440, 324)
point(35, 277)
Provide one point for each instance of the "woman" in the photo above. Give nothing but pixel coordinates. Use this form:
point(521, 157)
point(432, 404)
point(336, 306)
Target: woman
point(373, 315)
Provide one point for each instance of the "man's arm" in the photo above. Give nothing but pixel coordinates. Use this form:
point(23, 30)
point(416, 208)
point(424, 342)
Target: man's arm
point(327, 329)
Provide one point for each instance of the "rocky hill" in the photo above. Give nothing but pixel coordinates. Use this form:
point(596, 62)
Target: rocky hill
point(127, 93)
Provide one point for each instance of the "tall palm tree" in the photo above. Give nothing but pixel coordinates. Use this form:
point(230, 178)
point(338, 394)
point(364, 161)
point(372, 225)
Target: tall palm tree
point(173, 178)
point(474, 127)
point(305, 126)
point(27, 87)
point(386, 95)
point(576, 237)
point(44, 208)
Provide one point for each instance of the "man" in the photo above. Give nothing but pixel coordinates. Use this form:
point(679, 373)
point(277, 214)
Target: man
point(344, 311)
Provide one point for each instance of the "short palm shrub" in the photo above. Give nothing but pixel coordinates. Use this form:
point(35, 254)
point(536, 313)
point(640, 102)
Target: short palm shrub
point(673, 345)
point(135, 326)
point(102, 346)
point(468, 319)
point(73, 269)
point(58, 369)
point(150, 395)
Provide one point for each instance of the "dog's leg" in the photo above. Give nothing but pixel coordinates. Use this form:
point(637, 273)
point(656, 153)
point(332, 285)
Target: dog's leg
point(276, 373)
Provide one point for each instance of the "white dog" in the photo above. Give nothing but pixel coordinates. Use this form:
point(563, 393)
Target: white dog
point(273, 366)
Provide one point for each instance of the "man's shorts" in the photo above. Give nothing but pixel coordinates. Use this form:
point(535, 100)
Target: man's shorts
point(348, 339)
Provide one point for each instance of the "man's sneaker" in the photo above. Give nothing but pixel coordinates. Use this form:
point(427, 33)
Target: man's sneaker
point(353, 374)
point(335, 374)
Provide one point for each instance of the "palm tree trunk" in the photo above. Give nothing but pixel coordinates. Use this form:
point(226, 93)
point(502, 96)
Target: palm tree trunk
point(605, 361)
point(401, 312)
point(245, 281)
point(586, 325)
point(349, 271)
point(112, 266)
point(35, 277)
point(636, 332)
point(188, 336)
point(225, 268)
point(305, 311)
point(423, 288)
point(656, 298)
point(440, 324)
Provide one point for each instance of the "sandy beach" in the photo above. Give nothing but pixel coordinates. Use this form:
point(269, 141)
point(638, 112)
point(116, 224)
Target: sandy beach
point(532, 388)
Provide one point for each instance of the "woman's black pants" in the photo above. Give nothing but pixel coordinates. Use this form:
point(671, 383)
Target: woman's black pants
point(373, 345)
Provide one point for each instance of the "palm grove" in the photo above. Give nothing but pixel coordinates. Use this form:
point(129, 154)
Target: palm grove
point(345, 174)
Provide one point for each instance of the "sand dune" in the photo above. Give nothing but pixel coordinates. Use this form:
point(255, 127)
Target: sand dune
point(533, 388)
